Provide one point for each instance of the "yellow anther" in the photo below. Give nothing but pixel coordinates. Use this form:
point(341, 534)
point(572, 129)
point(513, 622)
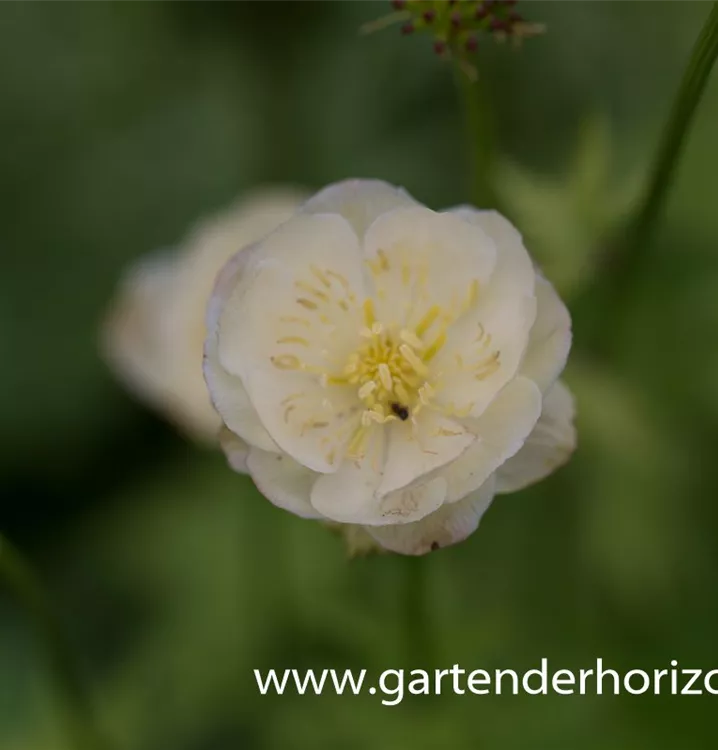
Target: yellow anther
point(409, 355)
point(318, 293)
point(412, 339)
point(367, 389)
point(369, 317)
point(385, 376)
point(321, 276)
point(433, 350)
point(293, 340)
point(472, 295)
point(426, 322)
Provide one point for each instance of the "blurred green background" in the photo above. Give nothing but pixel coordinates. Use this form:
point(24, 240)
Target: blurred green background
point(120, 125)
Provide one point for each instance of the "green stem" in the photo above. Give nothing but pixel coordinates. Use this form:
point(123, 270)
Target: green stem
point(416, 621)
point(622, 262)
point(20, 579)
point(479, 132)
point(671, 144)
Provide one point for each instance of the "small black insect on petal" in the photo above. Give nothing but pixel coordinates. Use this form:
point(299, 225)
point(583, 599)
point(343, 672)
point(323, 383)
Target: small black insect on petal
point(400, 410)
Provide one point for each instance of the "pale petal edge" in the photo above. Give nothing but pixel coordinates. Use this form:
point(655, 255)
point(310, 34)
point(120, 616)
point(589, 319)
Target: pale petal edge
point(548, 447)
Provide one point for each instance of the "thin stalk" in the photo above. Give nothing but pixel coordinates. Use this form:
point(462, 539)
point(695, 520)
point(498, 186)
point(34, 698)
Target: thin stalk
point(479, 132)
point(18, 576)
point(623, 261)
point(673, 139)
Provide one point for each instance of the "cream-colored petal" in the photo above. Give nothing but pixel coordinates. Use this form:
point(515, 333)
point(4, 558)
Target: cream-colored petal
point(502, 429)
point(227, 392)
point(548, 447)
point(416, 449)
point(359, 201)
point(550, 338)
point(283, 481)
point(410, 504)
point(419, 260)
point(485, 347)
point(287, 326)
point(156, 330)
point(450, 524)
point(298, 292)
point(514, 272)
point(235, 449)
point(311, 423)
point(132, 334)
point(232, 403)
point(350, 495)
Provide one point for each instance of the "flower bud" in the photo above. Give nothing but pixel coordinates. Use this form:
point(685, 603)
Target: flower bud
point(455, 26)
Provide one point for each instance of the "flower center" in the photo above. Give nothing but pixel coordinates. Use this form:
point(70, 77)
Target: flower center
point(390, 369)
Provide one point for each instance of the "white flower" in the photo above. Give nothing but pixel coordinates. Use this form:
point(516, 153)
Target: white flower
point(154, 334)
point(380, 364)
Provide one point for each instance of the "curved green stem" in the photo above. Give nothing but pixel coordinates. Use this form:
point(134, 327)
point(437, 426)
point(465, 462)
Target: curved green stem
point(479, 132)
point(671, 144)
point(622, 262)
point(22, 582)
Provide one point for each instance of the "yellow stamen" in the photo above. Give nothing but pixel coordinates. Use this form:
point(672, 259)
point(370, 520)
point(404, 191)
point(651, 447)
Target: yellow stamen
point(321, 276)
point(426, 322)
point(385, 375)
point(412, 339)
point(369, 317)
point(367, 389)
point(293, 340)
point(434, 349)
point(408, 353)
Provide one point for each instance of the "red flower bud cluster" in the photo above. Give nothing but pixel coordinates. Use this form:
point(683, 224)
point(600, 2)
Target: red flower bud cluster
point(457, 25)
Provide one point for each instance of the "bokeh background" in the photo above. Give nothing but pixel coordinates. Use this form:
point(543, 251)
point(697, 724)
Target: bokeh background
point(121, 125)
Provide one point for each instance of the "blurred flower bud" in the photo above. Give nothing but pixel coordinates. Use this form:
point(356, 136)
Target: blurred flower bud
point(154, 332)
point(456, 25)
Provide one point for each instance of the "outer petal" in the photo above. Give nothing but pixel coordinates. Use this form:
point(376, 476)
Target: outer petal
point(550, 339)
point(235, 449)
point(227, 391)
point(132, 335)
point(415, 450)
point(451, 523)
point(502, 430)
point(514, 268)
point(283, 481)
point(484, 349)
point(230, 399)
point(291, 319)
point(421, 260)
point(547, 447)
point(359, 201)
point(350, 494)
